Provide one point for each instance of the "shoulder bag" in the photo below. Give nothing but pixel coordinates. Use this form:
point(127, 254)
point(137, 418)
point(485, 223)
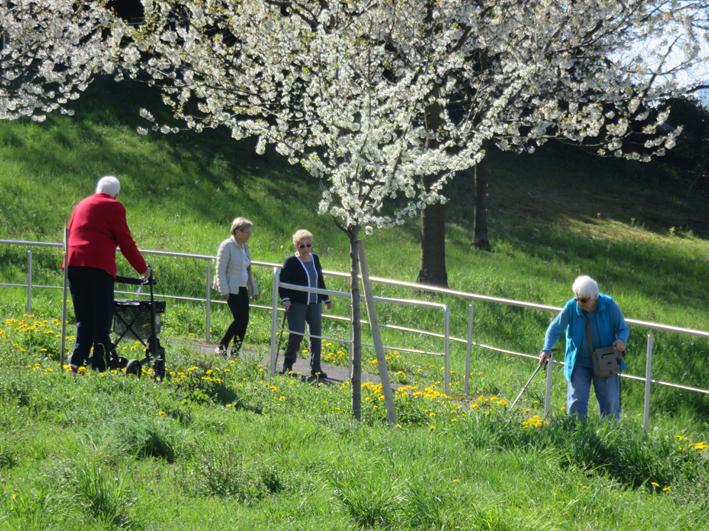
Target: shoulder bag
point(606, 360)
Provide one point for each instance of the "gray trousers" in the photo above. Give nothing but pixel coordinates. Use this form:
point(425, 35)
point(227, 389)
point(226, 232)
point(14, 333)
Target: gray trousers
point(298, 315)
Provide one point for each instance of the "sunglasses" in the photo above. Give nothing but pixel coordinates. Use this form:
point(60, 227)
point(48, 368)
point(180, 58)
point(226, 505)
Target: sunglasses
point(304, 245)
point(582, 300)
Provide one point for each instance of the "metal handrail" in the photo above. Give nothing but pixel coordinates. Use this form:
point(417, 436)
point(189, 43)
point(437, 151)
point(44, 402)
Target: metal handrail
point(424, 304)
point(650, 326)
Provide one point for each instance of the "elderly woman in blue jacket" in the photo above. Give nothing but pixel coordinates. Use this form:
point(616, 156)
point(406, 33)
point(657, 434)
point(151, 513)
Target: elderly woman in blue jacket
point(303, 269)
point(608, 328)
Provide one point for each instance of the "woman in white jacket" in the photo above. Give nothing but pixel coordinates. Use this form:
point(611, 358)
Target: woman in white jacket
point(236, 283)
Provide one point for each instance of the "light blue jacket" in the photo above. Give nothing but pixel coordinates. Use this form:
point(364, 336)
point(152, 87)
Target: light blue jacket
point(611, 326)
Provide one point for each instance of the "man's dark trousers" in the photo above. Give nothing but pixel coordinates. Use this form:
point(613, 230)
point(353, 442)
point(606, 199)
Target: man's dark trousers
point(92, 293)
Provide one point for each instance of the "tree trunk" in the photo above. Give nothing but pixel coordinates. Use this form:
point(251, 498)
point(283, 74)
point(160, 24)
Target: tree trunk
point(356, 361)
point(480, 240)
point(433, 244)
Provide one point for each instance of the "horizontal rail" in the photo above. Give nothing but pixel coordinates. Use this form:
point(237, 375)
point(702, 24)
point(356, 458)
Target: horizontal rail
point(409, 285)
point(666, 384)
point(520, 304)
point(33, 285)
point(408, 302)
point(629, 376)
point(31, 244)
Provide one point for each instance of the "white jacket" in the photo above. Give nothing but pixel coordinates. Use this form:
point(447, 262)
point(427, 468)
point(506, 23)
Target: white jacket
point(234, 269)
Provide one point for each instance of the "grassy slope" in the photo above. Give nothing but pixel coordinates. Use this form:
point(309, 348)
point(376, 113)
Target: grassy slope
point(552, 216)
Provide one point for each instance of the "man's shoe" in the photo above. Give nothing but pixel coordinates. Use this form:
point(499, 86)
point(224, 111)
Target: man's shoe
point(221, 351)
point(287, 369)
point(319, 374)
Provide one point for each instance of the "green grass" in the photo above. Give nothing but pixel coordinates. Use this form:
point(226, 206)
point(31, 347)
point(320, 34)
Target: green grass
point(245, 452)
point(217, 444)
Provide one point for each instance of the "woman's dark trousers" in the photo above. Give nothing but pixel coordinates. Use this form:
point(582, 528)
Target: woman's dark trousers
point(239, 306)
point(298, 315)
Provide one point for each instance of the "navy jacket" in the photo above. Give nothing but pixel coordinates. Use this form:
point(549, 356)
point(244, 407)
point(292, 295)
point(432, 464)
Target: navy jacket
point(293, 272)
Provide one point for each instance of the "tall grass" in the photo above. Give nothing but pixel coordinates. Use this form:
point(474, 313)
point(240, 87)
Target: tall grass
point(283, 455)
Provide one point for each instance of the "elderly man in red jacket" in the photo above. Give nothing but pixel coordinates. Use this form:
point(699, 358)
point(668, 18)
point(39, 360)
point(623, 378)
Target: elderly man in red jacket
point(98, 225)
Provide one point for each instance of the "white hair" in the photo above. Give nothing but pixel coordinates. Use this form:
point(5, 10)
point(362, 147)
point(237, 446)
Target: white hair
point(108, 185)
point(300, 235)
point(585, 286)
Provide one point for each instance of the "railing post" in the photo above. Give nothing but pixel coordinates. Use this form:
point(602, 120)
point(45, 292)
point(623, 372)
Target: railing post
point(29, 281)
point(65, 283)
point(447, 364)
point(209, 301)
point(547, 396)
point(377, 338)
point(648, 381)
point(466, 386)
point(274, 321)
point(351, 369)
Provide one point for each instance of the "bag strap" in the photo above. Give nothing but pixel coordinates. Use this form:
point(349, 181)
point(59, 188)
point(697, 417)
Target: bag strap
point(594, 358)
point(588, 332)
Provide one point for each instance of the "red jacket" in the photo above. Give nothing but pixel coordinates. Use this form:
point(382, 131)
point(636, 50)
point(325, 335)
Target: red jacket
point(98, 225)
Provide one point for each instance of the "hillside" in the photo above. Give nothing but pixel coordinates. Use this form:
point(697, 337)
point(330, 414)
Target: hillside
point(218, 445)
point(552, 215)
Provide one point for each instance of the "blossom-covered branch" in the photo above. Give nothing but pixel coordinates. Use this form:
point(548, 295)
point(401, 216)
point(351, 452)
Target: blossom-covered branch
point(371, 95)
point(49, 51)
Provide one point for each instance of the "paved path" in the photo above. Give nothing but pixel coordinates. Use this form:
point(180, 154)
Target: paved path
point(335, 374)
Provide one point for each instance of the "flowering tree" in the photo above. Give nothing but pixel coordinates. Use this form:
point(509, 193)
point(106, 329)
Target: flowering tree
point(653, 56)
point(387, 99)
point(49, 50)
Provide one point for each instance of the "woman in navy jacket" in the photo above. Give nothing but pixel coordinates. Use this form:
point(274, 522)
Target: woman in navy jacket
point(303, 269)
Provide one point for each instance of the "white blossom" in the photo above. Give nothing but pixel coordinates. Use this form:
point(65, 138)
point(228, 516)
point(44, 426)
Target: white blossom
point(370, 96)
point(49, 51)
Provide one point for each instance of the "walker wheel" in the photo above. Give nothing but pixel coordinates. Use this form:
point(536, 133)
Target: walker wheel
point(135, 368)
point(159, 370)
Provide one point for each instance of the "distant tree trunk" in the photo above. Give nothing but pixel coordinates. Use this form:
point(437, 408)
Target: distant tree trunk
point(480, 240)
point(432, 270)
point(433, 245)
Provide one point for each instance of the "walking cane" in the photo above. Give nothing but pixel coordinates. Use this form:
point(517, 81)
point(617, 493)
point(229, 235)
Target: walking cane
point(529, 381)
point(280, 337)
